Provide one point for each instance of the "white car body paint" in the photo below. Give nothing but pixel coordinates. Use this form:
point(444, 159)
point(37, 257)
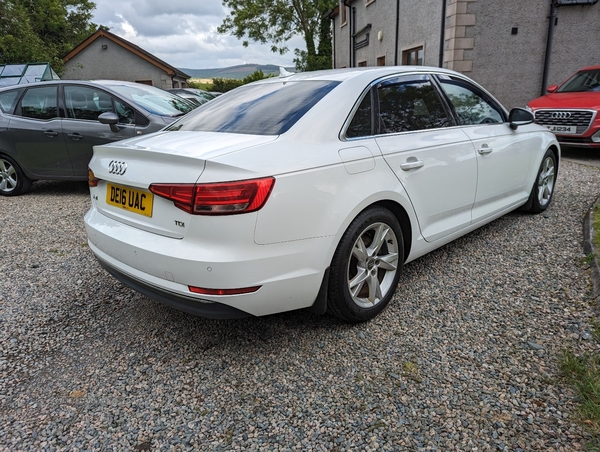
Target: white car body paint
point(323, 181)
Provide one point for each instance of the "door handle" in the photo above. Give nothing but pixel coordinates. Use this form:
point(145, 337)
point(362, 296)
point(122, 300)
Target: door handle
point(75, 136)
point(484, 150)
point(411, 163)
point(50, 133)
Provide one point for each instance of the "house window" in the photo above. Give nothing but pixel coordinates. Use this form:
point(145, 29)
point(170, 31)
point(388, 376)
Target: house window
point(413, 57)
point(145, 82)
point(362, 63)
point(343, 14)
point(381, 61)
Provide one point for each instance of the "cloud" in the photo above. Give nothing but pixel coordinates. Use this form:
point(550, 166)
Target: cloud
point(184, 33)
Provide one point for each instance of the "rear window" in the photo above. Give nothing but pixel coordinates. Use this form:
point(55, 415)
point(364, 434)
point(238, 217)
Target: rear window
point(261, 109)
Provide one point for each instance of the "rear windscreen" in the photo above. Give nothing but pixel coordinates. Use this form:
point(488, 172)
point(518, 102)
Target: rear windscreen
point(261, 109)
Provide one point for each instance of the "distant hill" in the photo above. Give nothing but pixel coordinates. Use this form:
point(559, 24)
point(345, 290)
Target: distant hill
point(240, 71)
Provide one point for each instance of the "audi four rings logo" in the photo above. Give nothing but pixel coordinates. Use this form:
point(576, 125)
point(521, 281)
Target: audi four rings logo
point(561, 115)
point(117, 167)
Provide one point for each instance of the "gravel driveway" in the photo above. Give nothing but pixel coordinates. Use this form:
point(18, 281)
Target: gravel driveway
point(464, 359)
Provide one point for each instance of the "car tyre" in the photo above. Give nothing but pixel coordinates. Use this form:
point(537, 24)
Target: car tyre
point(543, 188)
point(13, 181)
point(366, 266)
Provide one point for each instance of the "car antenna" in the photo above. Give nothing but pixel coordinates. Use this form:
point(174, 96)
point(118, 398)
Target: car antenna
point(283, 73)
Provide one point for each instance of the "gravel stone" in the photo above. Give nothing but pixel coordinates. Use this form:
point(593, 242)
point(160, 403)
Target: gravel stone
point(464, 359)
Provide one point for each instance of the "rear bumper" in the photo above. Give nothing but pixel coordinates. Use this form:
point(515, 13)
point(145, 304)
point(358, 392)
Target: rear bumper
point(190, 305)
point(289, 274)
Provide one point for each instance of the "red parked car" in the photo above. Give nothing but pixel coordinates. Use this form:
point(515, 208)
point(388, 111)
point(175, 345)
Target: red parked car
point(570, 110)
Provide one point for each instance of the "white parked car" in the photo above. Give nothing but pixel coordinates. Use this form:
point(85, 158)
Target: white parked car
point(312, 190)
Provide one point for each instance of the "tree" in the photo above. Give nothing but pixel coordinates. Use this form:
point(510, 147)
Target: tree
point(43, 30)
point(277, 21)
point(322, 59)
point(18, 42)
point(222, 85)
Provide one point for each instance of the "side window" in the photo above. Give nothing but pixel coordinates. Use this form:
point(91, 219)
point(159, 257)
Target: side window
point(86, 103)
point(361, 124)
point(39, 103)
point(7, 100)
point(410, 105)
point(472, 106)
point(125, 112)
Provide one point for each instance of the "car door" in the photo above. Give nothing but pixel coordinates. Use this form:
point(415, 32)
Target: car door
point(435, 162)
point(35, 130)
point(503, 154)
point(83, 105)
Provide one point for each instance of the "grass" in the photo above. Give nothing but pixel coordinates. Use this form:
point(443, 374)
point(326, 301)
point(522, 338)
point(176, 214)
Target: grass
point(199, 84)
point(582, 372)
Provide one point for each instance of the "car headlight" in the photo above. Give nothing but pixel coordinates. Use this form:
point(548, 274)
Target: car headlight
point(527, 107)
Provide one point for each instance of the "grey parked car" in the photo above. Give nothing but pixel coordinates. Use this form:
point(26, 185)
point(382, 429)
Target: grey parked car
point(48, 129)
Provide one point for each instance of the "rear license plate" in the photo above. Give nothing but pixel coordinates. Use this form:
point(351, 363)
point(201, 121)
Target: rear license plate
point(563, 129)
point(131, 199)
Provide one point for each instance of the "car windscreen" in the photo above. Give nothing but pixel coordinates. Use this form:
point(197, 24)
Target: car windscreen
point(154, 100)
point(257, 109)
point(582, 81)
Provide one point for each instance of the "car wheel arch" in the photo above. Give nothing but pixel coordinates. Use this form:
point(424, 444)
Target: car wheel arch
point(401, 213)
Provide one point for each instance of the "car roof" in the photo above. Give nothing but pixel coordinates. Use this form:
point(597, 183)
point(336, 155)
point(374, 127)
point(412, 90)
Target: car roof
point(340, 75)
point(589, 68)
point(101, 83)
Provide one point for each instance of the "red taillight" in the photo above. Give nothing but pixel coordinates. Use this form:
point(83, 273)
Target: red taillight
point(223, 198)
point(180, 194)
point(204, 291)
point(92, 179)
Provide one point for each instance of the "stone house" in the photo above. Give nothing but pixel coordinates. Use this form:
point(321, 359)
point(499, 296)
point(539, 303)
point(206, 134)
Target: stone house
point(514, 48)
point(105, 55)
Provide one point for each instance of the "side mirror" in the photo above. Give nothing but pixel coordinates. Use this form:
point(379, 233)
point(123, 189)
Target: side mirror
point(110, 119)
point(519, 117)
point(552, 89)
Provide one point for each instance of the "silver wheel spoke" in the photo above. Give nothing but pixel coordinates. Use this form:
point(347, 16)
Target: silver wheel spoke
point(360, 251)
point(374, 289)
point(357, 283)
point(541, 196)
point(379, 239)
point(389, 262)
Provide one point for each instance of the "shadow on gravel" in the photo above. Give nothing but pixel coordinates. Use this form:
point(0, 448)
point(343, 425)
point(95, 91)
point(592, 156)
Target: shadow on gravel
point(59, 188)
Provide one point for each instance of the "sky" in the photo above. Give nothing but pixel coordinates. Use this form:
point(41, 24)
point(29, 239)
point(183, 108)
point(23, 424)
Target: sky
point(184, 34)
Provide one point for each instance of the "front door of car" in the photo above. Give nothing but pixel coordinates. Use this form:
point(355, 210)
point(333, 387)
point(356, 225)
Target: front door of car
point(503, 154)
point(436, 164)
point(36, 134)
point(81, 127)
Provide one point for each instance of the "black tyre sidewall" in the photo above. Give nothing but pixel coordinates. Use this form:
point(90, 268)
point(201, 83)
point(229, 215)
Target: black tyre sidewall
point(340, 301)
point(23, 182)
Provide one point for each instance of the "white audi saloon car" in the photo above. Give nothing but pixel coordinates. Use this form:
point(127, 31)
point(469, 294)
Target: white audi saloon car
point(312, 190)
